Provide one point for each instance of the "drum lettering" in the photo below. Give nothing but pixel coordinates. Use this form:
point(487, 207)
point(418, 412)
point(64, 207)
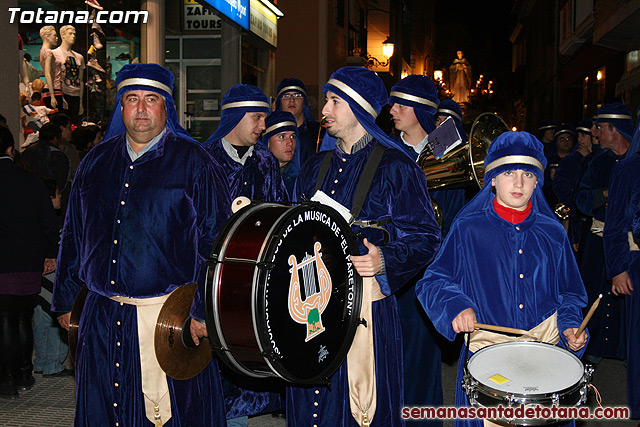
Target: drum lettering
point(298, 221)
point(286, 231)
point(335, 229)
point(343, 245)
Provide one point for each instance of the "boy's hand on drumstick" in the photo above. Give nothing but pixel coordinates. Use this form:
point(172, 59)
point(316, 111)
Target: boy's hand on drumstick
point(575, 343)
point(465, 321)
point(370, 264)
point(198, 330)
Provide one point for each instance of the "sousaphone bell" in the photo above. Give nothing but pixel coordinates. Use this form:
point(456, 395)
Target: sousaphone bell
point(464, 165)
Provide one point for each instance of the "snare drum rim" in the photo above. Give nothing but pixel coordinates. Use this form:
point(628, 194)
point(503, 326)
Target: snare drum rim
point(525, 398)
point(267, 254)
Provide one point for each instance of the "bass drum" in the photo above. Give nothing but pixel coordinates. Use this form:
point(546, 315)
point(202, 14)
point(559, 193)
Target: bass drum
point(282, 298)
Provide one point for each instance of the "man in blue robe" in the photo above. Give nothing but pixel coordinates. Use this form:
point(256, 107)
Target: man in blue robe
point(397, 198)
point(251, 170)
point(145, 208)
point(623, 258)
point(563, 140)
point(546, 129)
point(414, 101)
point(566, 180)
point(292, 97)
point(614, 128)
point(281, 138)
point(528, 278)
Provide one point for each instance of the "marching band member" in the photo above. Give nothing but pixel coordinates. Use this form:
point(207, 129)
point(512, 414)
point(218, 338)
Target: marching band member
point(292, 98)
point(614, 127)
point(506, 260)
point(414, 101)
point(251, 170)
point(623, 258)
point(145, 208)
point(281, 137)
point(368, 385)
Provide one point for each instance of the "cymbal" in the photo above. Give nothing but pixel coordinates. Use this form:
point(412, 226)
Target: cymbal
point(175, 358)
point(74, 321)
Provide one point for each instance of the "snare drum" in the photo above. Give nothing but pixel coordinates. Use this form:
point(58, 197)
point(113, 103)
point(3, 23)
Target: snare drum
point(282, 298)
point(528, 373)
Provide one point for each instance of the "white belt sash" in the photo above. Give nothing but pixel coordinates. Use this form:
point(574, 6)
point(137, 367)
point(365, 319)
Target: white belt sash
point(157, 401)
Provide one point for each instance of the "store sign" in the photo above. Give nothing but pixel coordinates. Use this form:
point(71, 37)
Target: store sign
point(198, 17)
point(236, 10)
point(264, 22)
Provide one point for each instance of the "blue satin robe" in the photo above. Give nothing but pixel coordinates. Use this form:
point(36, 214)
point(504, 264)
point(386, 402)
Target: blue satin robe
point(607, 324)
point(137, 229)
point(479, 266)
point(399, 191)
point(624, 197)
point(423, 387)
point(258, 179)
point(565, 186)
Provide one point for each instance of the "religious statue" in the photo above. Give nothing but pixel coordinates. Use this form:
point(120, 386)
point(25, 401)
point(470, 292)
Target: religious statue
point(460, 78)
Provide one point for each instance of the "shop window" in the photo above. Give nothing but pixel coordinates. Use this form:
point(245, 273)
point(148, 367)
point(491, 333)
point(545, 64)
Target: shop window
point(201, 48)
point(171, 49)
point(104, 47)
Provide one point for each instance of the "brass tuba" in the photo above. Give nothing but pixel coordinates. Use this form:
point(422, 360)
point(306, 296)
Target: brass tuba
point(464, 164)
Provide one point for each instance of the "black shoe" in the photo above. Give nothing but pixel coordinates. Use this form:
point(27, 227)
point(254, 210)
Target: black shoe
point(8, 390)
point(25, 384)
point(64, 373)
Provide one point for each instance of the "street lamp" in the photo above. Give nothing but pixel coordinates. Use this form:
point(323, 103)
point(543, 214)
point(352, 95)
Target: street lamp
point(387, 51)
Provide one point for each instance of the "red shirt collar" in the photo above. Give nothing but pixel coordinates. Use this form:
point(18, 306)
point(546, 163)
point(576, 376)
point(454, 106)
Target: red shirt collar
point(510, 214)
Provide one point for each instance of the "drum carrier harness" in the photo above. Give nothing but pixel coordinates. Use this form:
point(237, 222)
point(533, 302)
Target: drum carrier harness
point(362, 188)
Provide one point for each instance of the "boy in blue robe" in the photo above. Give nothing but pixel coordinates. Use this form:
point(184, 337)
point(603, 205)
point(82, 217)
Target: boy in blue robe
point(623, 258)
point(399, 199)
point(506, 260)
point(251, 170)
point(607, 323)
point(414, 101)
point(145, 208)
point(281, 138)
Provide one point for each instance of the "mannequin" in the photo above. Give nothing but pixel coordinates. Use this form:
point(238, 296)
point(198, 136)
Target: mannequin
point(52, 93)
point(72, 65)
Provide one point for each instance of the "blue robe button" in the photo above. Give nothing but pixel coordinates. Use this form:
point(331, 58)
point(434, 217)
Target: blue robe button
point(522, 276)
point(122, 202)
point(131, 167)
point(521, 306)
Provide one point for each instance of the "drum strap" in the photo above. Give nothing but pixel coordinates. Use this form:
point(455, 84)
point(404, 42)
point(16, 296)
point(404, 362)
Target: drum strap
point(157, 401)
point(365, 180)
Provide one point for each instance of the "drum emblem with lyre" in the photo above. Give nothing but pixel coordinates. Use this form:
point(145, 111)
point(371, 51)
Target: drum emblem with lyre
point(317, 287)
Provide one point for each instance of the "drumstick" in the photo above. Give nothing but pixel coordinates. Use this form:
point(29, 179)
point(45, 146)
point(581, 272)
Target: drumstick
point(502, 329)
point(583, 325)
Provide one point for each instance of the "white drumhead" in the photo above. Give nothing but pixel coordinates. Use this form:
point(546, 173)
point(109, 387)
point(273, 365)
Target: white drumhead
point(525, 368)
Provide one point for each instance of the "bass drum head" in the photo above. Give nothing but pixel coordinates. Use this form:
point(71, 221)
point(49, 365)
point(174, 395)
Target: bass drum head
point(526, 368)
point(308, 302)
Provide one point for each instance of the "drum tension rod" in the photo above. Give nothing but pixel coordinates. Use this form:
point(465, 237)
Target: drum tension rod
point(362, 321)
